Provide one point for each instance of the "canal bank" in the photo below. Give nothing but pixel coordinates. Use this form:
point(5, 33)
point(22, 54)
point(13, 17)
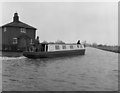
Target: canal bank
point(115, 49)
point(11, 54)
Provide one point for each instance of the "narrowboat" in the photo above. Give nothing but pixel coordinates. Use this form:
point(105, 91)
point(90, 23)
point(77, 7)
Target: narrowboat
point(55, 50)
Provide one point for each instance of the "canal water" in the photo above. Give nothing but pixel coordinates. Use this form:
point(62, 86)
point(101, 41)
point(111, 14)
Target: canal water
point(97, 70)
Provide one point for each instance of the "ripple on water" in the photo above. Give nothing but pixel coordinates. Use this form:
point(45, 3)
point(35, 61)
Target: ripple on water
point(12, 58)
point(95, 71)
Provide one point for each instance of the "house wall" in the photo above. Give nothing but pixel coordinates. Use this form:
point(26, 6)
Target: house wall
point(5, 36)
point(14, 32)
point(0, 38)
point(31, 33)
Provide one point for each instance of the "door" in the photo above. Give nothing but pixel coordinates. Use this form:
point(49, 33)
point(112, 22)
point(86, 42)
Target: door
point(22, 43)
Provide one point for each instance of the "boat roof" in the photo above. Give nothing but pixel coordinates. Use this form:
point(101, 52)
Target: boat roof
point(60, 44)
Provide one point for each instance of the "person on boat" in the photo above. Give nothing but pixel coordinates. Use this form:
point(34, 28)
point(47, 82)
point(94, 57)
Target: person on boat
point(78, 42)
point(37, 42)
point(32, 48)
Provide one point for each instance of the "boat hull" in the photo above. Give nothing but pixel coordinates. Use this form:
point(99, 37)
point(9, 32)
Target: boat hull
point(54, 54)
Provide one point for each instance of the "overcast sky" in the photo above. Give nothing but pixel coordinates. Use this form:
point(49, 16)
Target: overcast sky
point(68, 21)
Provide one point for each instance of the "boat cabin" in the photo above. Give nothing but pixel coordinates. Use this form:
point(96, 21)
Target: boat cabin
point(56, 47)
point(64, 47)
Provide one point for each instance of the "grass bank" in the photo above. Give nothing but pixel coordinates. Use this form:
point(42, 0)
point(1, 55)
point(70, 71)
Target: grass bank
point(115, 49)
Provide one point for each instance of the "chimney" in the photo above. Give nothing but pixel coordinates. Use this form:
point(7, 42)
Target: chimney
point(16, 17)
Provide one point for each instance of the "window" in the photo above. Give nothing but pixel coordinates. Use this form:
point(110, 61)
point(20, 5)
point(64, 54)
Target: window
point(57, 47)
point(31, 41)
point(5, 29)
point(22, 30)
point(71, 46)
point(64, 47)
point(14, 40)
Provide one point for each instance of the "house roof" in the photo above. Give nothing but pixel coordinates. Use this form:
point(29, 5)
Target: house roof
point(17, 23)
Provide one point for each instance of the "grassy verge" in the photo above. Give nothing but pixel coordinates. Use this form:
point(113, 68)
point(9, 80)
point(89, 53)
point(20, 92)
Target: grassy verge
point(115, 49)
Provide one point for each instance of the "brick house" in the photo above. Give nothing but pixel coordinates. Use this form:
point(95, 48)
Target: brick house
point(16, 36)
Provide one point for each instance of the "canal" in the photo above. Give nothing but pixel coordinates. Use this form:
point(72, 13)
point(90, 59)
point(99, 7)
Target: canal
point(97, 70)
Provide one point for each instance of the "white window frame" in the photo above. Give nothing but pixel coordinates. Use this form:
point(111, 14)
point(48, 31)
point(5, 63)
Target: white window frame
point(23, 30)
point(5, 29)
point(15, 41)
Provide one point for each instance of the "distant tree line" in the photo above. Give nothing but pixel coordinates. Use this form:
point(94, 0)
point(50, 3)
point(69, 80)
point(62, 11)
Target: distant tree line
point(56, 42)
point(114, 48)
